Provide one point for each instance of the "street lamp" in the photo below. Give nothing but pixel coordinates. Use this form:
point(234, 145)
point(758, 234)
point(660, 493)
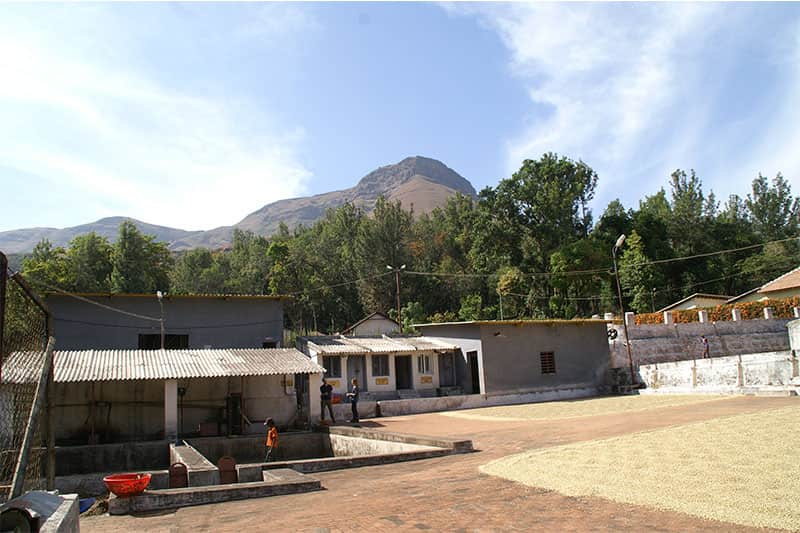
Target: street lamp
point(160, 297)
point(397, 279)
point(617, 245)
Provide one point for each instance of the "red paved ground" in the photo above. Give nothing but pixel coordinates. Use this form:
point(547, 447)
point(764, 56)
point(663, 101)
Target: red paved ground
point(448, 493)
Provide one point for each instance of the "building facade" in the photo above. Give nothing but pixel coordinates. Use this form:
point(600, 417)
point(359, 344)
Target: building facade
point(517, 357)
point(197, 322)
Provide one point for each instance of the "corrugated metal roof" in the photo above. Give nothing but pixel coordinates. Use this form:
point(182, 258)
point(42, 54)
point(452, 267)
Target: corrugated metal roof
point(341, 345)
point(124, 365)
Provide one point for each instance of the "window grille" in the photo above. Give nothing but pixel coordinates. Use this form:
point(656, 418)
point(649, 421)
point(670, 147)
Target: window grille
point(548, 360)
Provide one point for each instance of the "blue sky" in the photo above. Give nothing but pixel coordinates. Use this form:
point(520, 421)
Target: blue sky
point(194, 115)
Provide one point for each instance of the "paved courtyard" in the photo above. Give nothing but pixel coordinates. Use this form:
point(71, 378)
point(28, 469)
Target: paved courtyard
point(451, 493)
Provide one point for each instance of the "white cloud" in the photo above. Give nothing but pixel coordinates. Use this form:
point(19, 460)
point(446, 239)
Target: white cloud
point(127, 144)
point(633, 90)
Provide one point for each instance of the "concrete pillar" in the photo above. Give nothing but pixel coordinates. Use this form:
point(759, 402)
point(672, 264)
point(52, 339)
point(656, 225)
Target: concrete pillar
point(171, 409)
point(702, 316)
point(668, 320)
point(796, 312)
point(630, 318)
point(767, 313)
point(608, 316)
point(314, 383)
point(736, 314)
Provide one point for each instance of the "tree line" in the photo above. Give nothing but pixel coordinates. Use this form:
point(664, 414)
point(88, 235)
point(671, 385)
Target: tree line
point(527, 248)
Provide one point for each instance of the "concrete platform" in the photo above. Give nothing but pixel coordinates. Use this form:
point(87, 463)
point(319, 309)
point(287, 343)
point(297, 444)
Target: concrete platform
point(280, 482)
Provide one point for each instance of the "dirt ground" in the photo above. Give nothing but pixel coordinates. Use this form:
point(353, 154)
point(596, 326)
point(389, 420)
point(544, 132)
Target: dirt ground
point(449, 493)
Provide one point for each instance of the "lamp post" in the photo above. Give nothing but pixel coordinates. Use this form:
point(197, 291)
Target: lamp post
point(397, 279)
point(617, 245)
point(160, 296)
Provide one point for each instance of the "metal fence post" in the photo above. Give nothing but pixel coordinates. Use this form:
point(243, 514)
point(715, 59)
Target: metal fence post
point(3, 279)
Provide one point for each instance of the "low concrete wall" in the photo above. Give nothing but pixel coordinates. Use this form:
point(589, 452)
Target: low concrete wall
point(66, 518)
point(122, 457)
point(473, 401)
point(350, 446)
point(201, 471)
point(733, 374)
point(291, 445)
point(342, 411)
point(87, 485)
point(660, 343)
point(794, 335)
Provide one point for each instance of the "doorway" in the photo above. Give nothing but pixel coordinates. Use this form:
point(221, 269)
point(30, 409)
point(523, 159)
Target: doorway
point(357, 368)
point(447, 370)
point(473, 370)
point(402, 369)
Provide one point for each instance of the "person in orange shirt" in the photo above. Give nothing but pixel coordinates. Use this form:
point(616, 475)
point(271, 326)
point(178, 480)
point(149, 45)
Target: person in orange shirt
point(272, 439)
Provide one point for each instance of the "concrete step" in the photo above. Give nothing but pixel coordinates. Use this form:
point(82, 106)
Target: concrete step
point(778, 391)
point(284, 475)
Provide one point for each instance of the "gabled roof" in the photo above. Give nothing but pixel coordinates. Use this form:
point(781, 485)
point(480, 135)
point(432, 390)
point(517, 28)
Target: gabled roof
point(341, 345)
point(721, 298)
point(368, 317)
point(790, 280)
point(125, 365)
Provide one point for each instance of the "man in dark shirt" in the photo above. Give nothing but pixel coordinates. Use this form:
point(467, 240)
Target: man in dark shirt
point(325, 394)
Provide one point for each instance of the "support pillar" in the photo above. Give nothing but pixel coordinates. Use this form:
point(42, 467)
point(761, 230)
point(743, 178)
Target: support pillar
point(171, 409)
point(668, 320)
point(702, 316)
point(314, 407)
point(796, 312)
point(736, 314)
point(767, 313)
point(630, 319)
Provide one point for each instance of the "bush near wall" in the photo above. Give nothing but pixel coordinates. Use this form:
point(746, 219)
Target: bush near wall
point(721, 313)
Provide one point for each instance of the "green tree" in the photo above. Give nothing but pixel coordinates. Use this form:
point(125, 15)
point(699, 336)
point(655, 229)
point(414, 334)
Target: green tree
point(775, 213)
point(89, 263)
point(47, 266)
point(139, 263)
point(199, 271)
point(638, 279)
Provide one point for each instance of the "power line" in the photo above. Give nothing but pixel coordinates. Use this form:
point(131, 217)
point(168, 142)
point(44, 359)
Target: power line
point(321, 287)
point(93, 302)
point(599, 270)
point(172, 327)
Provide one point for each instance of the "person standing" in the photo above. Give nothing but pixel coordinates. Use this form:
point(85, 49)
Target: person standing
point(325, 393)
point(353, 395)
point(272, 439)
point(705, 346)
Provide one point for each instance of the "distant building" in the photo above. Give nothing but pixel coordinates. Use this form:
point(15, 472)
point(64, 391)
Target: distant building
point(190, 321)
point(374, 324)
point(512, 357)
point(697, 300)
point(386, 367)
point(785, 286)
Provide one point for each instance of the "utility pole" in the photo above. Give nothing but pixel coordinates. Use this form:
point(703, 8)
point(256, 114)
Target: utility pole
point(160, 296)
point(617, 245)
point(397, 280)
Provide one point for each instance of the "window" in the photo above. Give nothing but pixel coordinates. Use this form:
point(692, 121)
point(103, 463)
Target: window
point(148, 341)
point(333, 366)
point(424, 364)
point(380, 365)
point(548, 360)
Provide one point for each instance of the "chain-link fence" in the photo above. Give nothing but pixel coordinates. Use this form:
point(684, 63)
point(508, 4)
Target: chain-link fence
point(26, 357)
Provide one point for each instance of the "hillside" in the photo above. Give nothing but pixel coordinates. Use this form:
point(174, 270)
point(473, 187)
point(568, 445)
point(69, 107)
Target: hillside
point(418, 182)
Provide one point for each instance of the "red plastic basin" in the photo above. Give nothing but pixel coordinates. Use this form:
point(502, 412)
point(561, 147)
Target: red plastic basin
point(127, 484)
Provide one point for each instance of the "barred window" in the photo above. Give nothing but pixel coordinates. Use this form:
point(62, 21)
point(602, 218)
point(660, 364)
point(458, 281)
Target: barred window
point(548, 360)
point(424, 364)
point(380, 365)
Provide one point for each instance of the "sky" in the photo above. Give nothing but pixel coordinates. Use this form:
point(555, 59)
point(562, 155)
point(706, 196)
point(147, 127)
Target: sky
point(192, 115)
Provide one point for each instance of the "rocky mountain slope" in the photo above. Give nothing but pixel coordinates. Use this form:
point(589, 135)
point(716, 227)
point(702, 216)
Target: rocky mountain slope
point(417, 182)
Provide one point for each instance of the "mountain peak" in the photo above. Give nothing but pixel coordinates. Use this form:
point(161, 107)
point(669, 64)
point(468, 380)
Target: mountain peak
point(392, 176)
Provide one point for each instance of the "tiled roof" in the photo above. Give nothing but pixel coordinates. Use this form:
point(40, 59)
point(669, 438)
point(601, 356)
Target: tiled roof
point(123, 365)
point(340, 345)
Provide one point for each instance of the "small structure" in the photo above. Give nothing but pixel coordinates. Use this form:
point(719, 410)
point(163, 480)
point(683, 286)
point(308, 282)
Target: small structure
point(697, 300)
point(385, 367)
point(785, 286)
point(135, 395)
point(190, 321)
point(374, 324)
point(520, 356)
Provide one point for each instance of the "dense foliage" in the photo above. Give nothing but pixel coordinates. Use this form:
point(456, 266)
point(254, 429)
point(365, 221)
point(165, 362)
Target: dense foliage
point(528, 248)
